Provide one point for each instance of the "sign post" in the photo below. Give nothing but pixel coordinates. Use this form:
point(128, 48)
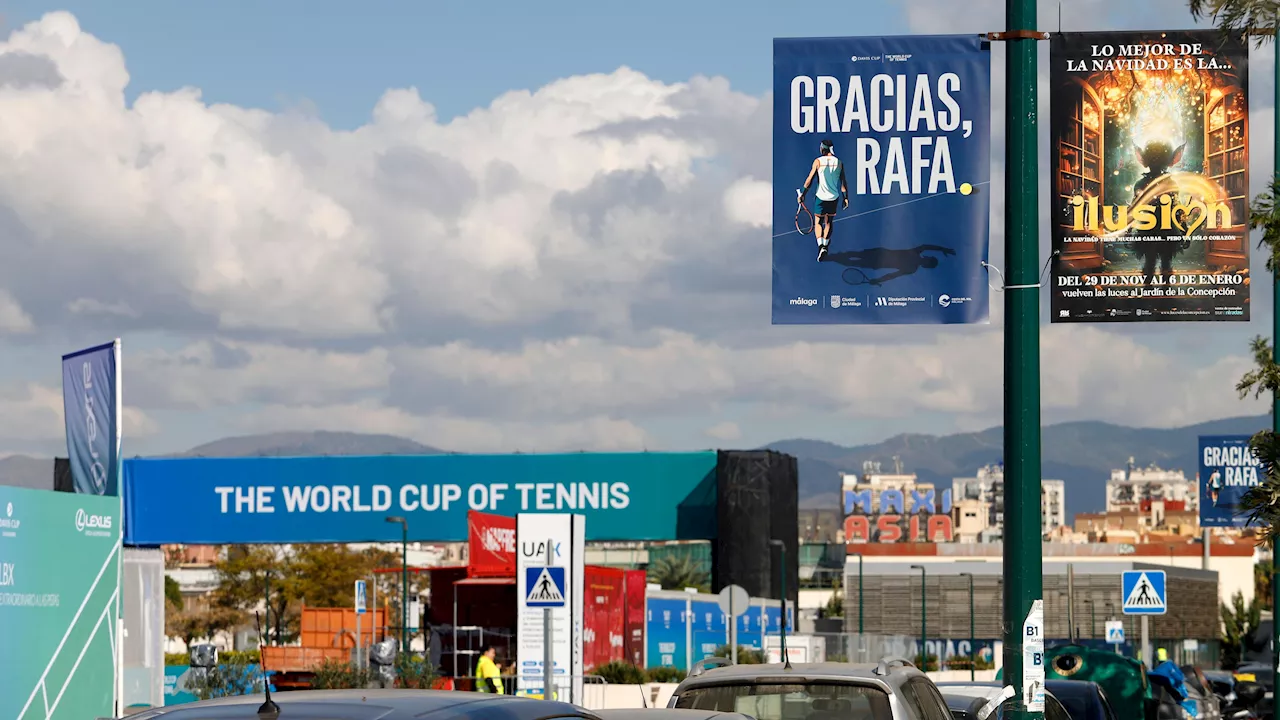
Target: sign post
point(360, 610)
point(1115, 634)
point(733, 601)
point(545, 589)
point(1144, 594)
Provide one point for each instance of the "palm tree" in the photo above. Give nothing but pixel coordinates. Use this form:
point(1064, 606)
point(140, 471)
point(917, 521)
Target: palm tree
point(676, 572)
point(1239, 623)
point(1261, 503)
point(1237, 16)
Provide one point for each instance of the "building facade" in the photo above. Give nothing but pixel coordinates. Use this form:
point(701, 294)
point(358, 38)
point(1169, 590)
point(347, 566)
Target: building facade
point(1133, 488)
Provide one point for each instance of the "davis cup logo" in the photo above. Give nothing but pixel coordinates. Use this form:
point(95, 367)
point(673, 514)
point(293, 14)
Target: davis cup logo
point(8, 510)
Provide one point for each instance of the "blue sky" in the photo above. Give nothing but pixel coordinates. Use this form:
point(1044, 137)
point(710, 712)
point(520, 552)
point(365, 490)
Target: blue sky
point(289, 53)
point(337, 60)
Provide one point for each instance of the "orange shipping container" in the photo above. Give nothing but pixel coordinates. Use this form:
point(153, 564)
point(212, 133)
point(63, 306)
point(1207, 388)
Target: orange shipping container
point(291, 658)
point(336, 627)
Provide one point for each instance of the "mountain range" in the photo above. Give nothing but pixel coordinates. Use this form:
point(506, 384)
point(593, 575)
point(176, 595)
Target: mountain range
point(1082, 454)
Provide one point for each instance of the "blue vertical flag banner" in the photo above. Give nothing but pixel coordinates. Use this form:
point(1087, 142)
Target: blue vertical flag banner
point(881, 180)
point(1228, 469)
point(92, 405)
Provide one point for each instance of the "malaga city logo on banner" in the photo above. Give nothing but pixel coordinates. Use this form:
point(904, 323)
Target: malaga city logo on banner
point(881, 180)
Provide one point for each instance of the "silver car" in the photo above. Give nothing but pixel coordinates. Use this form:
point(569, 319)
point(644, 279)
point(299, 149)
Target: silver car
point(892, 689)
point(373, 705)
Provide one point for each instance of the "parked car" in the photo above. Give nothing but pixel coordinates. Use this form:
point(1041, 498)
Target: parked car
point(892, 689)
point(1083, 699)
point(968, 701)
point(373, 705)
point(669, 714)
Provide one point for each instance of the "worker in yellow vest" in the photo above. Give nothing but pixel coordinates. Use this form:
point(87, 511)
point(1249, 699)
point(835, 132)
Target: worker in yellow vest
point(488, 678)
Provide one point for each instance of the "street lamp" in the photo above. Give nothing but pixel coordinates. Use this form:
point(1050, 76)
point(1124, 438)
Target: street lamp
point(1093, 620)
point(782, 548)
point(861, 640)
point(924, 628)
point(404, 577)
point(973, 651)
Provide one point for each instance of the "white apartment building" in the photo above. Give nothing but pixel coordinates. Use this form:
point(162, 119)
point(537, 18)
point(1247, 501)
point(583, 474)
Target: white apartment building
point(986, 491)
point(1132, 487)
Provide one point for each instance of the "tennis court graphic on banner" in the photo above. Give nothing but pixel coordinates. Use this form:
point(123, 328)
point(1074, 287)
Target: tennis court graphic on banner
point(881, 180)
point(59, 604)
point(1228, 469)
point(1150, 151)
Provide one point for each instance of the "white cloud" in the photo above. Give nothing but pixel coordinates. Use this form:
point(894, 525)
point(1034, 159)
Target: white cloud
point(727, 431)
point(214, 373)
point(13, 319)
point(599, 433)
point(577, 266)
point(32, 413)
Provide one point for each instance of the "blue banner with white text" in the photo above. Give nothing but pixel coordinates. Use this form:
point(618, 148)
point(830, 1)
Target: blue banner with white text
point(881, 180)
point(343, 499)
point(90, 399)
point(1228, 469)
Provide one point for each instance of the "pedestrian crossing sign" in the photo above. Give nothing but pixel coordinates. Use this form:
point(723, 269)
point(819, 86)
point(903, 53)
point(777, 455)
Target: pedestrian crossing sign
point(1115, 632)
point(544, 587)
point(1143, 592)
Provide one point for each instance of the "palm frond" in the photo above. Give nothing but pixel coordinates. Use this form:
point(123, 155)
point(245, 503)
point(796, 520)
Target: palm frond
point(1236, 17)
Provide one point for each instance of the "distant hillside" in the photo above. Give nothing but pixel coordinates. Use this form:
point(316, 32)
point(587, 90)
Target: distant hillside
point(296, 444)
point(1082, 454)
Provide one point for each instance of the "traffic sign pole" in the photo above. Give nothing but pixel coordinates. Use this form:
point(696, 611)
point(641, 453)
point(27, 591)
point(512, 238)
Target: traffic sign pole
point(548, 657)
point(1146, 644)
point(1144, 592)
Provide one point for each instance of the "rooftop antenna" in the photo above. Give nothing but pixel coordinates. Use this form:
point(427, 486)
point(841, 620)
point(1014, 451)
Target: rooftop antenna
point(268, 708)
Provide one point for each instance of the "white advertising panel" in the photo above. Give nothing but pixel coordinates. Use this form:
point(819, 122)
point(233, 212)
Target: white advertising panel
point(549, 540)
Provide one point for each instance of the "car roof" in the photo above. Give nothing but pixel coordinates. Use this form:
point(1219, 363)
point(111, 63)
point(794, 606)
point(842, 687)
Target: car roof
point(880, 674)
point(970, 704)
point(1072, 685)
point(976, 690)
point(667, 714)
point(371, 705)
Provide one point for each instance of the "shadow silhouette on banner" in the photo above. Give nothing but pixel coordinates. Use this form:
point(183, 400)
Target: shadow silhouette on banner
point(900, 262)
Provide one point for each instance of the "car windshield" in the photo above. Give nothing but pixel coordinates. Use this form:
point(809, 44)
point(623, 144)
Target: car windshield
point(807, 701)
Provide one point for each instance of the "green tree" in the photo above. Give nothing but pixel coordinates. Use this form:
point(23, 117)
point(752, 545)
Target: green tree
point(1262, 578)
point(190, 625)
point(1234, 17)
point(232, 677)
point(172, 594)
point(1239, 623)
point(676, 572)
point(835, 604)
point(1261, 504)
point(320, 575)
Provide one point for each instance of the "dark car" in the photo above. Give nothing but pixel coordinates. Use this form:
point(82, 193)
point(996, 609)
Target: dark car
point(374, 705)
point(1083, 699)
point(669, 714)
point(966, 700)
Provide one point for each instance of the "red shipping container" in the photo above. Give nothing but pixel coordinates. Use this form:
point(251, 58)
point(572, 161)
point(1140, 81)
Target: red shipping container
point(491, 545)
point(634, 620)
point(603, 619)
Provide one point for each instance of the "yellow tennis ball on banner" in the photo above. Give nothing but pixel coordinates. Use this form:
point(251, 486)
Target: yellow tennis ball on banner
point(965, 188)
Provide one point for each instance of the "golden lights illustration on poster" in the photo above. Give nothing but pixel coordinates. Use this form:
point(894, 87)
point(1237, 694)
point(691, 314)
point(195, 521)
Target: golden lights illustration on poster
point(1150, 178)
